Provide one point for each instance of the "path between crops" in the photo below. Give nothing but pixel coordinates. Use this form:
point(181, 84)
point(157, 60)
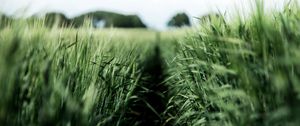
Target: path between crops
point(152, 94)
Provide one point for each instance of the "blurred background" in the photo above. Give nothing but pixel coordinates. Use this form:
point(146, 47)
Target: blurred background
point(154, 14)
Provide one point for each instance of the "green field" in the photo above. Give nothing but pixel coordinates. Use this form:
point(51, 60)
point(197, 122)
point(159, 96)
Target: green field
point(241, 72)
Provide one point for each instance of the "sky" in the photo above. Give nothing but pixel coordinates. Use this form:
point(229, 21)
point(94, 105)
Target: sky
point(155, 13)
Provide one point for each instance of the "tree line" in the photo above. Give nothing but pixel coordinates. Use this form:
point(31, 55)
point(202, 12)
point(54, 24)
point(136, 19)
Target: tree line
point(106, 19)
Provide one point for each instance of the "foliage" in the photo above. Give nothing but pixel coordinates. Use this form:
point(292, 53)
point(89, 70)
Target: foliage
point(243, 72)
point(179, 20)
point(117, 20)
point(240, 72)
point(4, 21)
point(68, 76)
point(57, 19)
point(209, 17)
point(111, 20)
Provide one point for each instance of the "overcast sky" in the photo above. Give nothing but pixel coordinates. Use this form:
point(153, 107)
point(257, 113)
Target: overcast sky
point(155, 13)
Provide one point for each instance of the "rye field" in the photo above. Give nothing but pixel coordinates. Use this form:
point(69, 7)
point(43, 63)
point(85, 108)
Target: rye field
point(239, 72)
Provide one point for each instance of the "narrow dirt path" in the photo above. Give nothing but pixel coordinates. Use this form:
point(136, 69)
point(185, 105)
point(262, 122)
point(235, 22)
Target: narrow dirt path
point(152, 94)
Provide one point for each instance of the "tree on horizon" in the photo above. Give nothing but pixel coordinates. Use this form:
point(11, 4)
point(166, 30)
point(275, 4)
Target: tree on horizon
point(179, 20)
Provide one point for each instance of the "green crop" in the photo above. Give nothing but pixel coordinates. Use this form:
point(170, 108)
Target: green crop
point(242, 71)
point(239, 72)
